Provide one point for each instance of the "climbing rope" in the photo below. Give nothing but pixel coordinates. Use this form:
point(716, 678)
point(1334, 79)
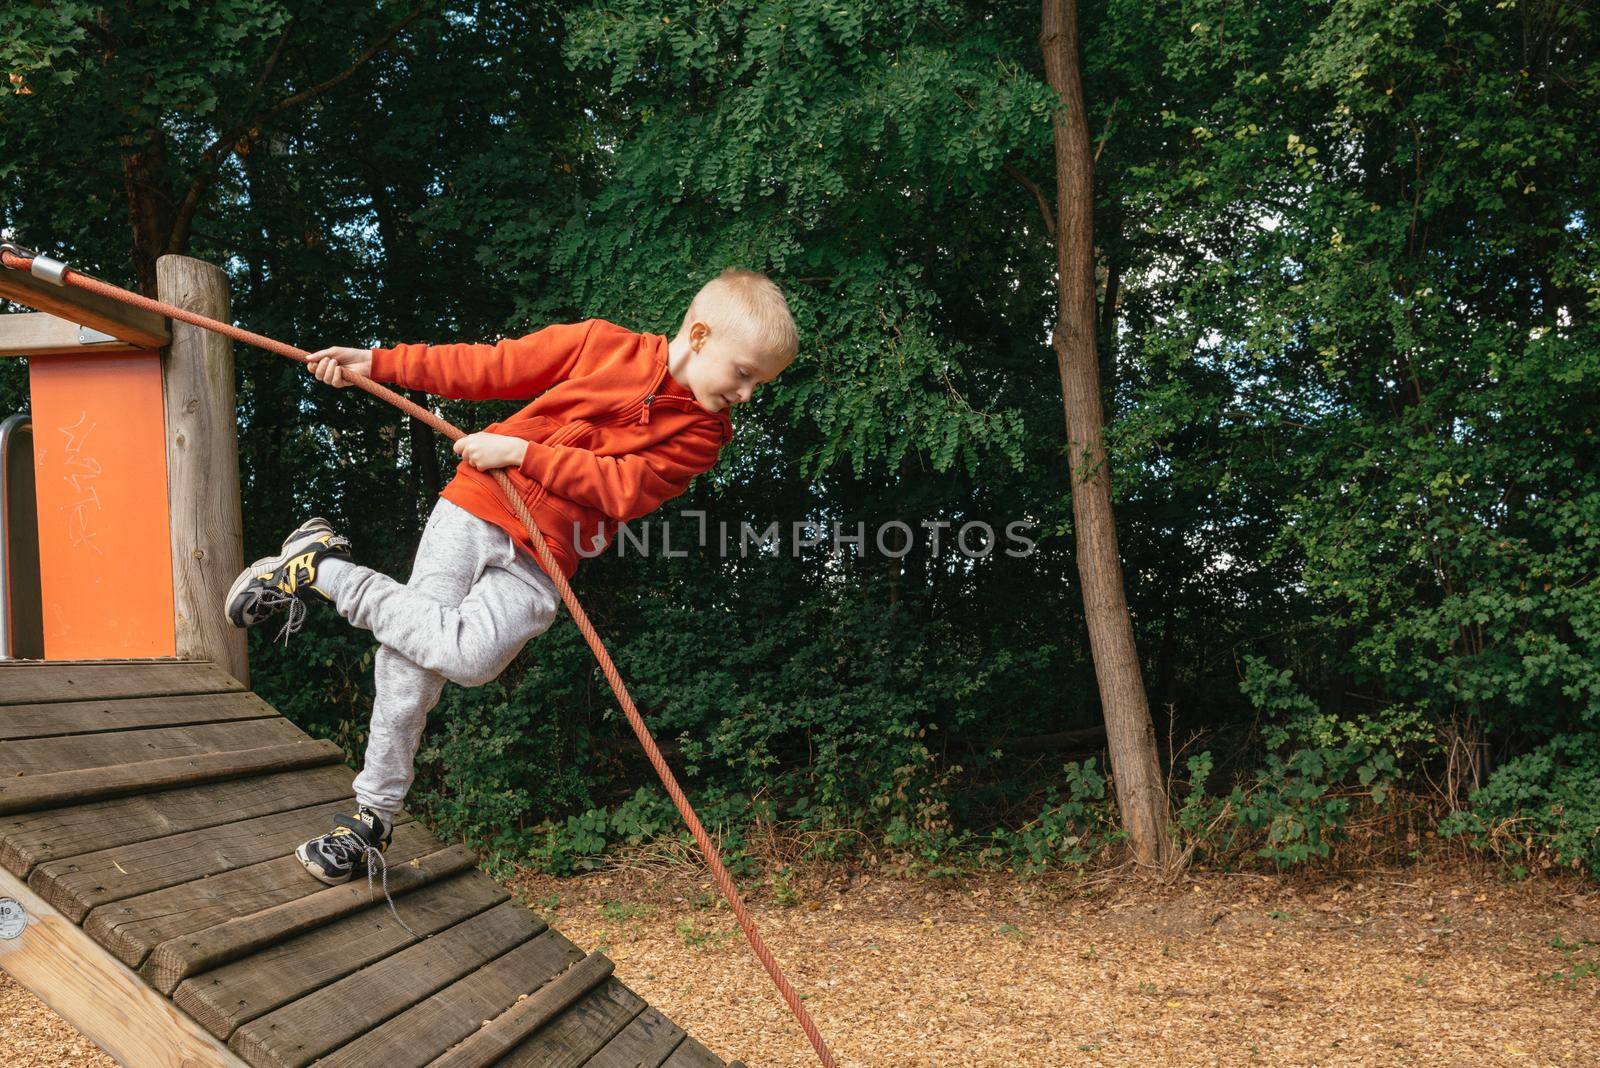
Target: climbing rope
point(19, 258)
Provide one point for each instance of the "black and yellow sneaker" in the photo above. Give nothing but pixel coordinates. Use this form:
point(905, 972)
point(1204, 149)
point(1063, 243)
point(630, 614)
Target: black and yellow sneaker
point(349, 849)
point(288, 579)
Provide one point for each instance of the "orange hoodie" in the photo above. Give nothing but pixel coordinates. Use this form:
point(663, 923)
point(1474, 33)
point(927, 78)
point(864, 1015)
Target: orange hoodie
point(611, 433)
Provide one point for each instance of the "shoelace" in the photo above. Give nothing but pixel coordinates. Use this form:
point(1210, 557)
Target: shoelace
point(275, 599)
point(359, 846)
point(291, 624)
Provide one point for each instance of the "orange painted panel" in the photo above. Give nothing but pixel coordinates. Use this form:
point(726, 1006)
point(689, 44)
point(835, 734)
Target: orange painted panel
point(100, 464)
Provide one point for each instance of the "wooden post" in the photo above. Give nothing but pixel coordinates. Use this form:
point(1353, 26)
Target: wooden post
point(202, 466)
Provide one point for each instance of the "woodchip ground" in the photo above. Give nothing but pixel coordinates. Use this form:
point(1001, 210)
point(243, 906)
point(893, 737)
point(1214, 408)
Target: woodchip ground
point(1430, 966)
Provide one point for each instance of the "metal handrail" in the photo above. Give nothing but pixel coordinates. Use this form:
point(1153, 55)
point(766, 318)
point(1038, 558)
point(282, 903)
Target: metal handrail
point(21, 615)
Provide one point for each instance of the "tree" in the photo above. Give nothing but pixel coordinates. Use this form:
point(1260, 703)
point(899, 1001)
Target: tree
point(167, 100)
point(1130, 735)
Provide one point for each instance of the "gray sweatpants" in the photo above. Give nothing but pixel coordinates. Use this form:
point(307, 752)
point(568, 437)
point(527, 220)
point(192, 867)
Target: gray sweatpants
point(472, 602)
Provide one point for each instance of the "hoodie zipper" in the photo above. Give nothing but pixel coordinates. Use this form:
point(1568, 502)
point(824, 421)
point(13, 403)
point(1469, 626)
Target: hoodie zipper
point(643, 405)
point(644, 416)
point(654, 396)
point(627, 414)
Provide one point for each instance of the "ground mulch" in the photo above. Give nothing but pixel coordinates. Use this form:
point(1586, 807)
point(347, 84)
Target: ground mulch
point(32, 1036)
point(1432, 966)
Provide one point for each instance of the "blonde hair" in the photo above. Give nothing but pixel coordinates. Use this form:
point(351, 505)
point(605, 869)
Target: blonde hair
point(747, 303)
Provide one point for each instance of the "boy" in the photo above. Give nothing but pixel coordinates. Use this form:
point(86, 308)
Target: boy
point(620, 422)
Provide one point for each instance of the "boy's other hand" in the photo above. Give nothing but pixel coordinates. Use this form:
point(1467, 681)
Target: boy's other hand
point(489, 451)
point(328, 364)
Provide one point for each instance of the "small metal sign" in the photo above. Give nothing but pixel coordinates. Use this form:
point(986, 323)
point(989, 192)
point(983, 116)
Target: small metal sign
point(12, 918)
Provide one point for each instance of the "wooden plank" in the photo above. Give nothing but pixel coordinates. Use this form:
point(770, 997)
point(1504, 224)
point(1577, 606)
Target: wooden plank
point(136, 326)
point(37, 756)
point(59, 964)
point(77, 884)
point(581, 1031)
point(127, 713)
point(417, 1036)
point(31, 838)
point(190, 950)
point(33, 681)
point(499, 1036)
point(644, 1043)
point(133, 927)
point(341, 1012)
point(226, 998)
point(691, 1054)
point(92, 784)
point(43, 334)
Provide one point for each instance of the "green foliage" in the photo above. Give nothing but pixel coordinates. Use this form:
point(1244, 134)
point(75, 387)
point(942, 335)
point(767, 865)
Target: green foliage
point(1542, 804)
point(1068, 832)
point(695, 939)
point(1200, 815)
point(1352, 372)
point(1579, 968)
point(1315, 770)
point(1585, 968)
point(816, 140)
point(580, 842)
point(1301, 800)
point(783, 888)
point(621, 912)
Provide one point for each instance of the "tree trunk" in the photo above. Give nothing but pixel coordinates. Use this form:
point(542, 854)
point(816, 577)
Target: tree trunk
point(149, 208)
point(1130, 736)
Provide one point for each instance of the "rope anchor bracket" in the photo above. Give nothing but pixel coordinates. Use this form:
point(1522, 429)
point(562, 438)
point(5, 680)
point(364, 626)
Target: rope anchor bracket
point(48, 268)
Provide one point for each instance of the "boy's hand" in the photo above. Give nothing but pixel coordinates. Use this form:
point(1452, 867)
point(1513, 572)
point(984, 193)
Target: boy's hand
point(488, 451)
point(328, 364)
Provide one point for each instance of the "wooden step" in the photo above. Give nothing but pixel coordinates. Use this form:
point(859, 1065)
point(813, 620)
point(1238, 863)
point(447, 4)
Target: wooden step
point(39, 756)
point(31, 838)
point(339, 1013)
point(226, 998)
point(645, 1043)
point(33, 681)
point(30, 793)
point(500, 1035)
point(133, 927)
point(77, 884)
point(417, 1036)
point(121, 714)
point(581, 1031)
point(691, 1054)
point(189, 950)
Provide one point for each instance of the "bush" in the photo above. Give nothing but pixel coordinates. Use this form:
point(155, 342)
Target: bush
point(1317, 769)
point(1540, 807)
point(580, 842)
point(1068, 832)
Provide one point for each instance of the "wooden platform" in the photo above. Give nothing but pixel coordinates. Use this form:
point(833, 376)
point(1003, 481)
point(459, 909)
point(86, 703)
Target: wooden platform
point(149, 811)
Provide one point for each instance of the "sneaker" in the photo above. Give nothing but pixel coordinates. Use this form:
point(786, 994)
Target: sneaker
point(287, 579)
point(343, 852)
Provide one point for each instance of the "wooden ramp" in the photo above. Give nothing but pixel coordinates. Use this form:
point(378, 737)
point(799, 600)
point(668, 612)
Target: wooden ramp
point(149, 811)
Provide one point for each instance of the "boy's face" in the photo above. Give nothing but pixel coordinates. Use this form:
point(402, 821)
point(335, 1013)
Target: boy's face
point(724, 371)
